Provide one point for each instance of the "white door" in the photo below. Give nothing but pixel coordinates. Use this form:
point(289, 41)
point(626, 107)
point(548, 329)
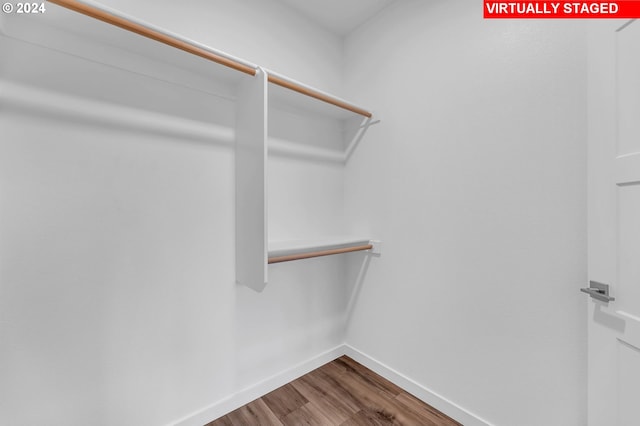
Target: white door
point(614, 222)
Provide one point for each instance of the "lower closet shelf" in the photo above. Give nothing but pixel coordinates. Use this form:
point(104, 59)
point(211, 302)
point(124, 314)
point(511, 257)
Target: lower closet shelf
point(284, 251)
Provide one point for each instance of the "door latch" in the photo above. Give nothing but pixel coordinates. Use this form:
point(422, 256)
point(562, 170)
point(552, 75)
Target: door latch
point(598, 291)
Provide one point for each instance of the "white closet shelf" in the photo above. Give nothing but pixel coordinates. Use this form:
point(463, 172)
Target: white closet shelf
point(113, 17)
point(119, 44)
point(284, 251)
point(294, 94)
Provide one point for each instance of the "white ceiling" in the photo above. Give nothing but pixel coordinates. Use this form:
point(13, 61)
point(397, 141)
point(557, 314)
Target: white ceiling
point(339, 16)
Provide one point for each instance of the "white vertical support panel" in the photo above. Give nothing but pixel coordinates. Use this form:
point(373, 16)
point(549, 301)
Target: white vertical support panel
point(251, 182)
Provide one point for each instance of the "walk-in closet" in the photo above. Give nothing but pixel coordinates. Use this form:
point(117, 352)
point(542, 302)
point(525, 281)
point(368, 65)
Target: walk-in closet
point(286, 212)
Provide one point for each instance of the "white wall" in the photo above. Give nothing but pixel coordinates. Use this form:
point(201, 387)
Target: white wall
point(475, 181)
point(117, 297)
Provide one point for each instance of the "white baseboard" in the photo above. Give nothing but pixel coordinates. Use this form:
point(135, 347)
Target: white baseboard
point(259, 389)
point(230, 403)
point(432, 398)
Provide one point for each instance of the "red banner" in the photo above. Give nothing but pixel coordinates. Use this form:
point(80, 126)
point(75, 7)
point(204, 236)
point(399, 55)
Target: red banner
point(626, 9)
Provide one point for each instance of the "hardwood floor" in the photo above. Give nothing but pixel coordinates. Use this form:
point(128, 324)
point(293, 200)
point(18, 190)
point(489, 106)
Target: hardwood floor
point(340, 393)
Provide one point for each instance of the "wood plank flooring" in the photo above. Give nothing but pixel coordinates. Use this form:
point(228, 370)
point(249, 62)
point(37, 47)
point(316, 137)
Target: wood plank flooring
point(340, 393)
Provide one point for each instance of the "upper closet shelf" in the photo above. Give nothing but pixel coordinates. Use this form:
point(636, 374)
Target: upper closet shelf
point(102, 43)
point(284, 90)
point(108, 36)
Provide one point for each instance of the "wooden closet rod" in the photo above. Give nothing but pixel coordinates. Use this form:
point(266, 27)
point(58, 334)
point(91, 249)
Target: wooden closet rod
point(315, 94)
point(172, 41)
point(309, 255)
point(145, 31)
